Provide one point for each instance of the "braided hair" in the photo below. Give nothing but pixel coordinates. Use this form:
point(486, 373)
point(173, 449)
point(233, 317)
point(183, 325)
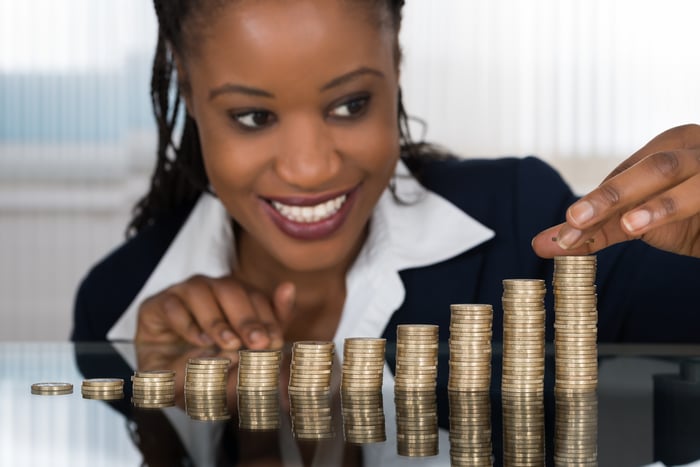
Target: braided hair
point(179, 177)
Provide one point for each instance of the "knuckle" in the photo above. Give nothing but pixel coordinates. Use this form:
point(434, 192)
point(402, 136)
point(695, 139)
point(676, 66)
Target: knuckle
point(609, 194)
point(669, 207)
point(666, 163)
point(216, 322)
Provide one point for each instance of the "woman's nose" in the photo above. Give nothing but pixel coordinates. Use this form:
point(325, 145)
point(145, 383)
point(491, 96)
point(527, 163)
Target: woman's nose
point(307, 157)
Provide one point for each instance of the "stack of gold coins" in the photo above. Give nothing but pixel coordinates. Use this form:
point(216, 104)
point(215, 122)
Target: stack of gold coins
point(361, 390)
point(523, 335)
point(311, 415)
point(205, 388)
point(363, 364)
point(575, 323)
point(311, 367)
point(414, 390)
point(153, 389)
point(576, 428)
point(52, 389)
point(470, 347)
point(258, 389)
point(105, 389)
point(363, 416)
point(523, 429)
point(470, 428)
point(416, 423)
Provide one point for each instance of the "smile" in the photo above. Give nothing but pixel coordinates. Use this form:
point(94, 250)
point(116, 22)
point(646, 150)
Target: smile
point(310, 214)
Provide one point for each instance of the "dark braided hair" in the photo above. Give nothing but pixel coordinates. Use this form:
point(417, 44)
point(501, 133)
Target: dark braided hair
point(179, 177)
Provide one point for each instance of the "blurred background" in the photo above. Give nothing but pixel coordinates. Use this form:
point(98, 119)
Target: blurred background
point(579, 83)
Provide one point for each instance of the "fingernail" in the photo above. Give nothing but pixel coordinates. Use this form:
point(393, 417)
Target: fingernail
point(636, 220)
point(582, 212)
point(256, 336)
point(227, 336)
point(568, 238)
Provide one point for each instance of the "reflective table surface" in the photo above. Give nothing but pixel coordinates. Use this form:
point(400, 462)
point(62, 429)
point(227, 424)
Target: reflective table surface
point(646, 409)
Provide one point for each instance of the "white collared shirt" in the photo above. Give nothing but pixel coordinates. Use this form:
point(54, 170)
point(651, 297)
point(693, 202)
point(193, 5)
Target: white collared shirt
point(401, 236)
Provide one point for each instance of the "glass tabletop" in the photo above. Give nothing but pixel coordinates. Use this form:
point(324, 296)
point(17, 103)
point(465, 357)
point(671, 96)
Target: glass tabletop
point(646, 409)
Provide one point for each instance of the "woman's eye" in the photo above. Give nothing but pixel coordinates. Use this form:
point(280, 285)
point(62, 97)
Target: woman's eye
point(255, 119)
point(351, 108)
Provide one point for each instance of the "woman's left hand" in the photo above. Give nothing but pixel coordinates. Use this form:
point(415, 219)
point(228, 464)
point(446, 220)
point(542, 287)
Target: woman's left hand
point(653, 196)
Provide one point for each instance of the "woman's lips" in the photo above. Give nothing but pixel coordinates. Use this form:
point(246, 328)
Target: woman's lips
point(310, 218)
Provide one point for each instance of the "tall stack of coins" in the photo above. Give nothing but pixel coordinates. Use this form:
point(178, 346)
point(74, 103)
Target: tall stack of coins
point(523, 429)
point(523, 335)
point(470, 347)
point(309, 389)
point(205, 388)
point(576, 428)
point(470, 428)
point(104, 389)
point(258, 389)
point(414, 391)
point(361, 390)
point(153, 389)
point(52, 389)
point(311, 367)
point(575, 323)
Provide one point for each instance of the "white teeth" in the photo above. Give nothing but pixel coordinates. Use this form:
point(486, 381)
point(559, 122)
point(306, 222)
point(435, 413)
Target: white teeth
point(309, 214)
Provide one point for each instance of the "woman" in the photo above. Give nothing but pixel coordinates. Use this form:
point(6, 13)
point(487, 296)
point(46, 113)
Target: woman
point(290, 208)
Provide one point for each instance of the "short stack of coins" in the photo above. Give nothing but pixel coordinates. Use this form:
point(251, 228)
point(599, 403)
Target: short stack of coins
point(575, 323)
point(470, 429)
point(576, 428)
point(52, 389)
point(523, 429)
point(470, 347)
point(153, 389)
point(104, 389)
point(205, 388)
point(258, 389)
point(523, 335)
point(361, 390)
point(414, 391)
point(309, 390)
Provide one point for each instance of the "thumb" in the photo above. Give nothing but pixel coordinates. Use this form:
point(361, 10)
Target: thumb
point(284, 299)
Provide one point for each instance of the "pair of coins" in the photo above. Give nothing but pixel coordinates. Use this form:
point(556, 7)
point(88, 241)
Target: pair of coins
point(575, 323)
point(523, 335)
point(153, 389)
point(470, 347)
point(258, 389)
point(205, 388)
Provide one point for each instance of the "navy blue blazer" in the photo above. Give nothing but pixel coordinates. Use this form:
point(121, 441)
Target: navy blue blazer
point(644, 294)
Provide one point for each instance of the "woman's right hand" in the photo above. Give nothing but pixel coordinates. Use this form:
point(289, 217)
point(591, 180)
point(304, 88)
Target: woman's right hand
point(206, 311)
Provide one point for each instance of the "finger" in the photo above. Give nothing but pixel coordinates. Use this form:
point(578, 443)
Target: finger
point(284, 298)
point(671, 206)
point(267, 317)
point(562, 239)
point(236, 305)
point(181, 321)
point(202, 302)
point(648, 177)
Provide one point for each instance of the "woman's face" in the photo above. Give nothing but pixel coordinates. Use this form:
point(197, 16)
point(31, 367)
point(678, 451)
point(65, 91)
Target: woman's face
point(296, 104)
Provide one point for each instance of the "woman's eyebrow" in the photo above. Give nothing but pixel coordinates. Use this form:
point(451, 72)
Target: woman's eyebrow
point(350, 76)
point(238, 88)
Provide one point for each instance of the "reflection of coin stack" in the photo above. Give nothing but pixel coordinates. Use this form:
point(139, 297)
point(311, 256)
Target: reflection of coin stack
point(309, 389)
point(470, 428)
point(104, 389)
point(153, 389)
point(523, 429)
point(523, 335)
point(258, 389)
point(205, 388)
point(362, 378)
point(576, 423)
point(414, 391)
point(470, 347)
point(52, 389)
point(575, 323)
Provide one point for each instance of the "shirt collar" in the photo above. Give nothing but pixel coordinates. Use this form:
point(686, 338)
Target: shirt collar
point(426, 229)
